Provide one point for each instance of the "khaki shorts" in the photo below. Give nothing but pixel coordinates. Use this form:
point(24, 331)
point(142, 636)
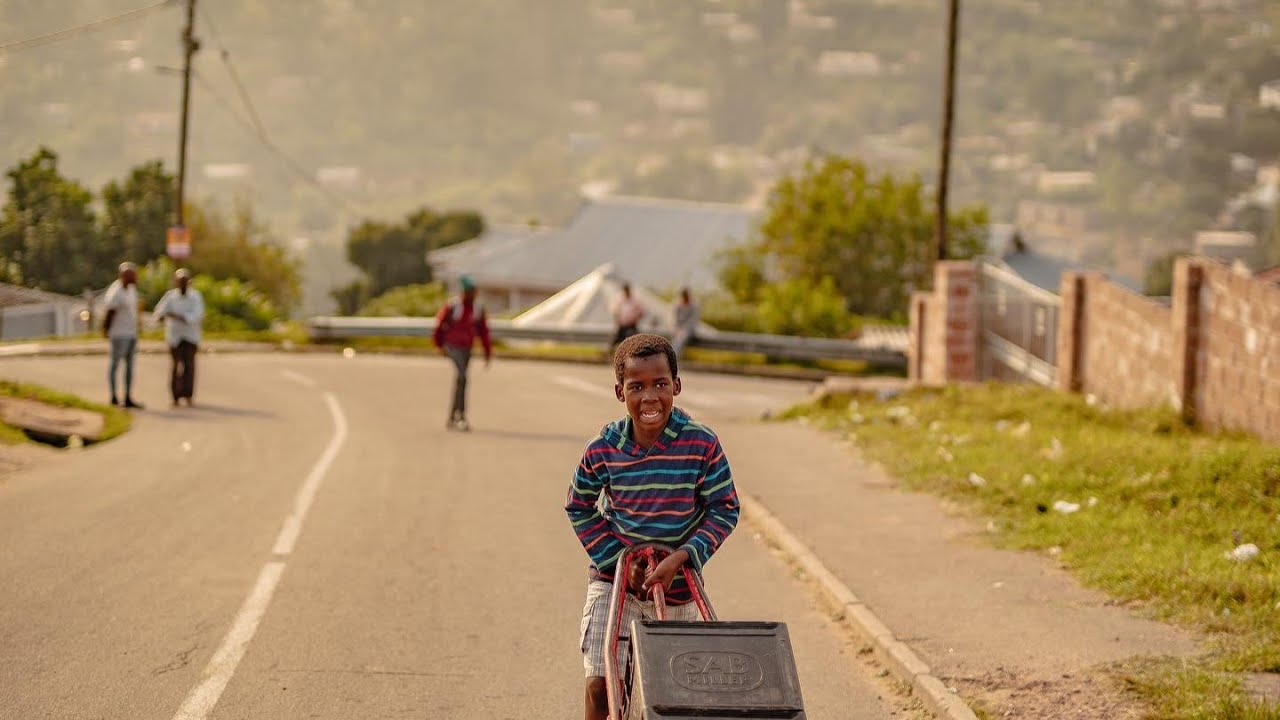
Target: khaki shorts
point(595, 622)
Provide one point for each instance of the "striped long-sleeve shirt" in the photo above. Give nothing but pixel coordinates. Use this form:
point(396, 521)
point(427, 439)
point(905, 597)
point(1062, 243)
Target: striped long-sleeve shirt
point(679, 492)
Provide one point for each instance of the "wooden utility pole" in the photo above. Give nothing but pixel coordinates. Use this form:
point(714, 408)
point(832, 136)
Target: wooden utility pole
point(190, 45)
point(948, 111)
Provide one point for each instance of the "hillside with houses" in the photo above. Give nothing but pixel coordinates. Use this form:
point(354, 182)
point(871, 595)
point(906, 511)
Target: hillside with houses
point(1112, 134)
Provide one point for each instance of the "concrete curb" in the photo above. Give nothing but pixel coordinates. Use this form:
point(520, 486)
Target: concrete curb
point(900, 659)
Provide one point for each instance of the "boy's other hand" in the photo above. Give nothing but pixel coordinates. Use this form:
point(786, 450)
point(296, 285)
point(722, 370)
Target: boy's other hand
point(665, 573)
point(635, 578)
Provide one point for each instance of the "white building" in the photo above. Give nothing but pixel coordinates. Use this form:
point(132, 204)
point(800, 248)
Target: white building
point(1269, 95)
point(30, 313)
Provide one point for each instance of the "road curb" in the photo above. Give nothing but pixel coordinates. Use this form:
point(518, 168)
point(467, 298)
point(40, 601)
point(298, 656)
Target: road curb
point(900, 659)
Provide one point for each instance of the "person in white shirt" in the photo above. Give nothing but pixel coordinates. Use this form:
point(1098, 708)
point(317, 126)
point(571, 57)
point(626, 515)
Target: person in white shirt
point(182, 310)
point(121, 327)
point(627, 314)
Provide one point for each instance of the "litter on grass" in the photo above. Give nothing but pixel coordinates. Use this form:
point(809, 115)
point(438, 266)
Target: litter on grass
point(1066, 508)
point(1243, 553)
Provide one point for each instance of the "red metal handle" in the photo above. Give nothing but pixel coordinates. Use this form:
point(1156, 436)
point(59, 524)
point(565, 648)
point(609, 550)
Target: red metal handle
point(648, 553)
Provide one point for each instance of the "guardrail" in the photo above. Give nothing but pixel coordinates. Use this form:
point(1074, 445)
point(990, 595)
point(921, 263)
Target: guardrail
point(880, 349)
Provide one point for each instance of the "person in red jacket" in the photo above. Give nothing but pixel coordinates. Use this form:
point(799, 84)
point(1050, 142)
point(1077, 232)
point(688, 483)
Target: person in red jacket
point(458, 325)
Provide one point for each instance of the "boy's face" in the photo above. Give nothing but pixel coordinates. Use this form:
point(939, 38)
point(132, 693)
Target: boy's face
point(648, 390)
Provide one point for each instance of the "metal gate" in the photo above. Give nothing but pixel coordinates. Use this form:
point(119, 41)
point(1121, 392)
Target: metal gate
point(1019, 328)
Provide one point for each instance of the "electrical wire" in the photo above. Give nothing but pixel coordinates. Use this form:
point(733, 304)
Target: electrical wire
point(87, 27)
point(289, 163)
point(225, 54)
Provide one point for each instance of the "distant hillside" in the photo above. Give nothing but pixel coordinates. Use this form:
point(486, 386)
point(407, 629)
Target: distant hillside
point(514, 107)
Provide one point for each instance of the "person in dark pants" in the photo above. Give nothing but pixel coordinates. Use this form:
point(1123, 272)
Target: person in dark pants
point(182, 310)
point(458, 325)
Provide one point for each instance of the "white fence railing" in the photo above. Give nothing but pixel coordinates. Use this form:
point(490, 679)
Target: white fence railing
point(881, 347)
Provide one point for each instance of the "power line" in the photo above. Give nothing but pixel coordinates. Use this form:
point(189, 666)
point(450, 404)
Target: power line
point(87, 27)
point(225, 54)
point(289, 163)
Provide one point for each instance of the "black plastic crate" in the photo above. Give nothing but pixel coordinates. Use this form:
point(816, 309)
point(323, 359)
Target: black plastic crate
point(713, 670)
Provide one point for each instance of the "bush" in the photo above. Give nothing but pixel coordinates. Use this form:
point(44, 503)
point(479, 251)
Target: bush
point(234, 305)
point(794, 307)
point(423, 300)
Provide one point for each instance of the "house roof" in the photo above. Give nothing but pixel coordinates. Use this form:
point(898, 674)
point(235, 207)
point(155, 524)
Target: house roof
point(650, 242)
point(15, 295)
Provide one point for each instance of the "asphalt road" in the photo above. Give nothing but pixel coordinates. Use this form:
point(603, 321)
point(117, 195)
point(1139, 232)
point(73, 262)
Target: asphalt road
point(309, 542)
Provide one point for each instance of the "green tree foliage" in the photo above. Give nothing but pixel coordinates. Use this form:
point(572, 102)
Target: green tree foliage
point(351, 297)
point(48, 236)
point(137, 212)
point(241, 247)
point(1158, 279)
point(230, 304)
point(795, 307)
point(871, 235)
point(424, 300)
point(396, 254)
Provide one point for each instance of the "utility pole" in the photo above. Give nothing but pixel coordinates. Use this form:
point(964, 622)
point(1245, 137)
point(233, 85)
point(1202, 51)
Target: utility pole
point(948, 111)
point(190, 45)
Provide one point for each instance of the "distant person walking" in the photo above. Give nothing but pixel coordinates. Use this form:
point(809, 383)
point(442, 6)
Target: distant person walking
point(182, 310)
point(458, 325)
point(686, 319)
point(120, 326)
point(627, 314)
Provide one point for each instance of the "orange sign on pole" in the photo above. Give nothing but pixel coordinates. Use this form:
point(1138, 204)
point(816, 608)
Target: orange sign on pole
point(178, 242)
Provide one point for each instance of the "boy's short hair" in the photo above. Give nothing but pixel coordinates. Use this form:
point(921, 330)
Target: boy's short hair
point(643, 345)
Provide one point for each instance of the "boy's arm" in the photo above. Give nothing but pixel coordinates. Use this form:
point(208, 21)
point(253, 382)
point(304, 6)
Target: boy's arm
point(482, 329)
point(599, 540)
point(717, 491)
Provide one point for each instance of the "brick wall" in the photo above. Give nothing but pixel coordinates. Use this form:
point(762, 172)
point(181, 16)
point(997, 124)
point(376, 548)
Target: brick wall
point(1237, 353)
point(1123, 343)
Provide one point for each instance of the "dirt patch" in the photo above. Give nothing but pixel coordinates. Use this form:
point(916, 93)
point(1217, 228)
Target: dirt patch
point(1263, 686)
point(1092, 695)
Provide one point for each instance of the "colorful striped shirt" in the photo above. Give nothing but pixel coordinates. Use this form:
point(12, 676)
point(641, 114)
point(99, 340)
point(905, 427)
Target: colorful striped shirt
point(679, 492)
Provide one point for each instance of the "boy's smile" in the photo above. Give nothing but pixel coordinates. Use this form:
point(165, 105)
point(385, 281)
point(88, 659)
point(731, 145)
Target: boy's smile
point(649, 392)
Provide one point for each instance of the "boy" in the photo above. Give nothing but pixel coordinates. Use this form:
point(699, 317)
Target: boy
point(658, 476)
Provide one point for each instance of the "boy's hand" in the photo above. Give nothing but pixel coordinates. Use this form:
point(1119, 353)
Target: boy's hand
point(635, 578)
point(665, 573)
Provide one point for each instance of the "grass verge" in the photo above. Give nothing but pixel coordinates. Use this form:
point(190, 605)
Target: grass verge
point(115, 420)
point(1134, 503)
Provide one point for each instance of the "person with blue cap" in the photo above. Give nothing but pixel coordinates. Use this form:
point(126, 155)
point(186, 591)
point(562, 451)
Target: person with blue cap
point(458, 324)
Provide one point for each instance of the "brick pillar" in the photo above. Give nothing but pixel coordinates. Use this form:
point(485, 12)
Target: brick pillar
point(918, 336)
point(1074, 291)
point(955, 285)
point(1188, 275)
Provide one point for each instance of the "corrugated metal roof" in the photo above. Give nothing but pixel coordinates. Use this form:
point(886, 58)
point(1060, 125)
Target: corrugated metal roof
point(15, 295)
point(660, 244)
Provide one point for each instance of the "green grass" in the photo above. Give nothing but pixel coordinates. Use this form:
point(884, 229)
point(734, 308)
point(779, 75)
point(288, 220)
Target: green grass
point(115, 420)
point(1160, 504)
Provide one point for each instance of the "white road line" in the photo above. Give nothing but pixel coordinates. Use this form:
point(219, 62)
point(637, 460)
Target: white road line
point(299, 378)
point(583, 386)
point(218, 672)
point(23, 349)
point(201, 701)
point(307, 493)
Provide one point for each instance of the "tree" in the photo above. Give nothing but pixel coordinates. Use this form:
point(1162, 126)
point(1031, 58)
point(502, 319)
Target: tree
point(871, 235)
point(408, 300)
point(137, 212)
point(48, 238)
point(393, 255)
point(241, 247)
